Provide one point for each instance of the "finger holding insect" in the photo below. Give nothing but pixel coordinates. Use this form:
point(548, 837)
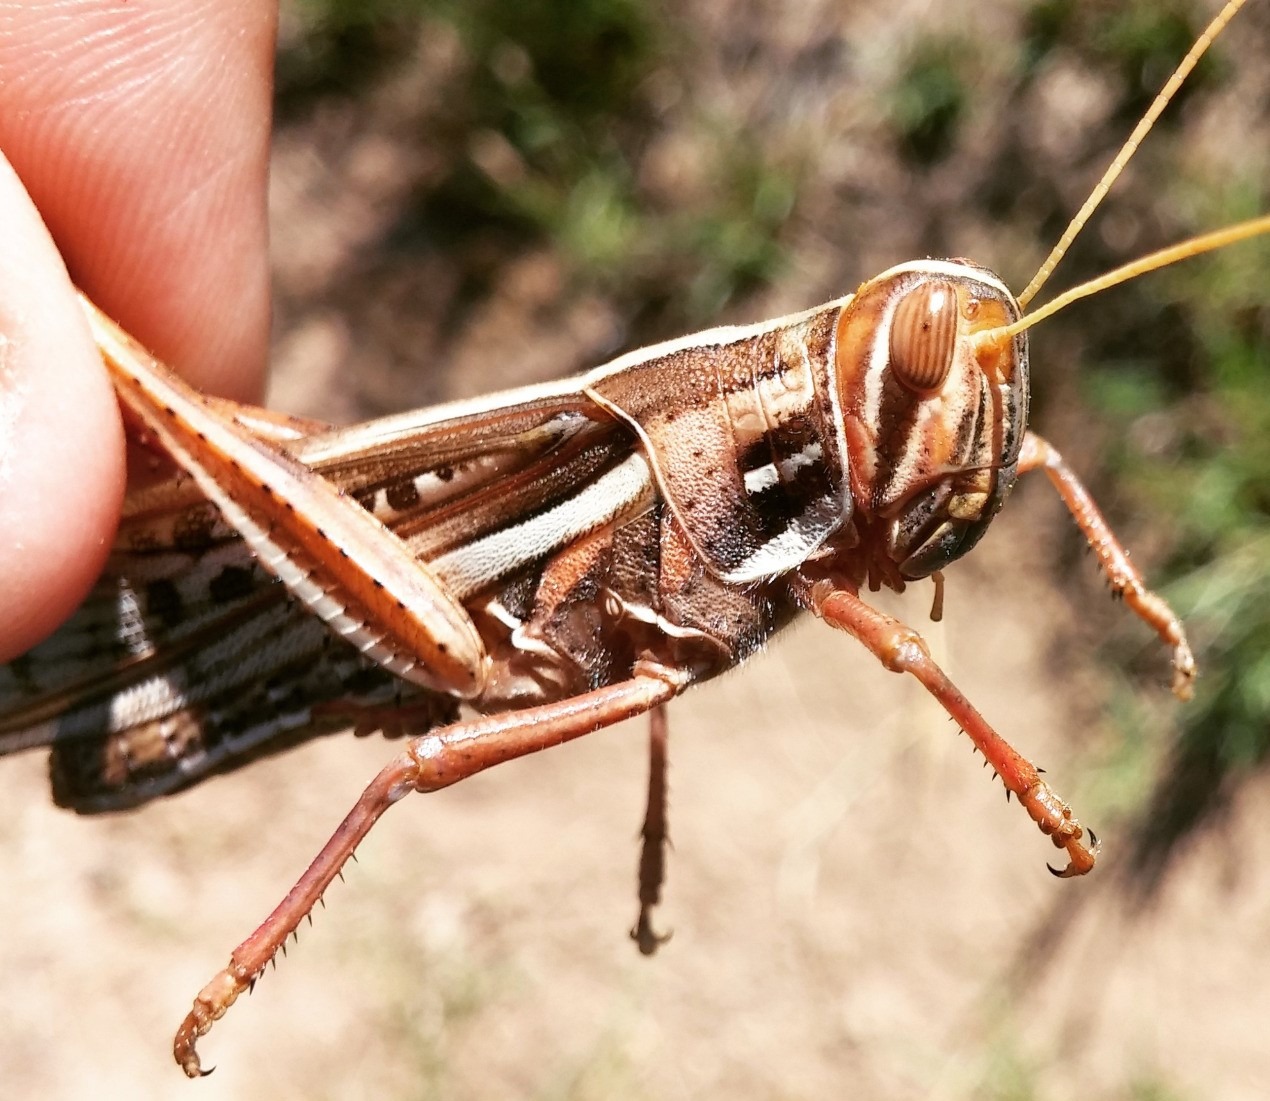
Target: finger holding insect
point(56, 407)
point(659, 505)
point(140, 136)
point(141, 132)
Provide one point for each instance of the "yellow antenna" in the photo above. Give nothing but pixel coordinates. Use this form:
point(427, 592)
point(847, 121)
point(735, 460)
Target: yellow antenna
point(1195, 246)
point(1128, 149)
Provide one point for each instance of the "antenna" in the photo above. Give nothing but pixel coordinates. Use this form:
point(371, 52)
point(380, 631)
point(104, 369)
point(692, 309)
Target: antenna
point(1194, 246)
point(1128, 149)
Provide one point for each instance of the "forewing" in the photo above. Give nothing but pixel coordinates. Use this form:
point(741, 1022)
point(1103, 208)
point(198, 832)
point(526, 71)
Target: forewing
point(187, 658)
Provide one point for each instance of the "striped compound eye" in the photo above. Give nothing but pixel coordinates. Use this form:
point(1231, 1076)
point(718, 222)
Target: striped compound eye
point(924, 335)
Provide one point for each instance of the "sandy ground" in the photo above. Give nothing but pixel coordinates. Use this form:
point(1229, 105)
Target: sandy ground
point(856, 911)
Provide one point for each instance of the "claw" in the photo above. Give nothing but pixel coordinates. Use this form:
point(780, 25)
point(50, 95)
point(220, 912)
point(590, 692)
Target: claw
point(210, 1005)
point(1183, 673)
point(646, 937)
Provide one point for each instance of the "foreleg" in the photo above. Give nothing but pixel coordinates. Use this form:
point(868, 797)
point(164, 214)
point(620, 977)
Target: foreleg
point(902, 650)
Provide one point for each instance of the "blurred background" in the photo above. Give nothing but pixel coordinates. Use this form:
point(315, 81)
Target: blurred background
point(473, 195)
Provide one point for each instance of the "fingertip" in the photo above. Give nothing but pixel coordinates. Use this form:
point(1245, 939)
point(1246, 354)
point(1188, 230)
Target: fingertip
point(142, 132)
point(61, 444)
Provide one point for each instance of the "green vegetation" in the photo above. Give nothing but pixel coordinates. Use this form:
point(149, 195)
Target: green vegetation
point(1195, 448)
point(1141, 41)
point(928, 102)
point(1175, 369)
point(549, 119)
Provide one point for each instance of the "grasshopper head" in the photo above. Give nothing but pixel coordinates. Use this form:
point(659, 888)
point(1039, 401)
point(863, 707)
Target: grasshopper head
point(934, 419)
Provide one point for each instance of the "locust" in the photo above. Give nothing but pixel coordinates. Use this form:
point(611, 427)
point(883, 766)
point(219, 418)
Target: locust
point(557, 558)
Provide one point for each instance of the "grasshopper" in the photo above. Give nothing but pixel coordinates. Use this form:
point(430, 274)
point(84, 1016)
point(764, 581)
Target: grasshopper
point(557, 557)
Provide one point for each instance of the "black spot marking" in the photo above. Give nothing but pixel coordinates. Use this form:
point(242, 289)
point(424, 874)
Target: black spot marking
point(232, 583)
point(163, 600)
point(756, 455)
point(797, 492)
point(445, 473)
point(192, 530)
point(402, 495)
point(518, 592)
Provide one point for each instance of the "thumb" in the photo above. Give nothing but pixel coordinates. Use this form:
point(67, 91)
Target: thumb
point(61, 446)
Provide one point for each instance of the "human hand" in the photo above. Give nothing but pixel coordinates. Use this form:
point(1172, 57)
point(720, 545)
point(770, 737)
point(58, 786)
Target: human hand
point(133, 156)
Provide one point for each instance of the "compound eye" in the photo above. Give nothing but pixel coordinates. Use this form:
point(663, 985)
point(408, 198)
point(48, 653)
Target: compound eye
point(924, 335)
